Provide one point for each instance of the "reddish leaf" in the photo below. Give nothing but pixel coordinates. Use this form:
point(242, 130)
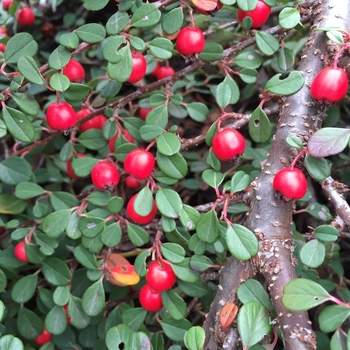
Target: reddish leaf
point(228, 315)
point(205, 5)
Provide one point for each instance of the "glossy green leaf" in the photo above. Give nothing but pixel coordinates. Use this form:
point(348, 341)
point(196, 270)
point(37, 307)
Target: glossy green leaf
point(120, 335)
point(184, 272)
point(174, 304)
point(69, 40)
point(21, 44)
point(239, 181)
point(92, 139)
point(59, 82)
point(288, 86)
point(200, 263)
point(85, 257)
point(289, 17)
point(208, 227)
point(169, 203)
point(82, 166)
point(161, 48)
point(174, 166)
point(252, 290)
point(211, 52)
point(24, 288)
point(121, 71)
point(28, 68)
point(260, 128)
point(197, 111)
point(168, 143)
point(241, 242)
point(294, 141)
point(93, 300)
point(267, 43)
point(117, 22)
point(249, 76)
point(55, 223)
point(26, 190)
point(134, 317)
point(56, 271)
point(248, 59)
point(172, 21)
point(174, 329)
point(110, 48)
point(91, 33)
point(15, 170)
point(59, 57)
point(247, 5)
point(312, 253)
point(94, 5)
point(29, 324)
point(213, 178)
point(145, 16)
point(253, 323)
point(326, 233)
point(285, 58)
point(91, 226)
point(172, 252)
point(158, 116)
point(9, 342)
point(56, 320)
point(111, 235)
point(143, 204)
point(79, 319)
point(138, 236)
point(302, 294)
point(318, 168)
point(318, 211)
point(194, 338)
point(332, 317)
point(11, 205)
point(189, 217)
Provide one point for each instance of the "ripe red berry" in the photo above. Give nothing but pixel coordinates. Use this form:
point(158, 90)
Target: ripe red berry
point(291, 183)
point(69, 168)
point(259, 15)
point(65, 307)
point(96, 122)
point(164, 72)
point(330, 85)
point(143, 112)
point(131, 182)
point(105, 176)
point(43, 338)
point(25, 16)
point(143, 220)
point(20, 251)
point(150, 299)
point(2, 47)
point(3, 31)
point(190, 41)
point(60, 116)
point(160, 277)
point(139, 66)
point(228, 143)
point(74, 71)
point(6, 4)
point(139, 163)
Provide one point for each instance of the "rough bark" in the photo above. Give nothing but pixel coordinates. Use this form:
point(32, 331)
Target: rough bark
point(270, 216)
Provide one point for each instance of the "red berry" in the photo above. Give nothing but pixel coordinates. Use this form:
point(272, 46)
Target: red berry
point(143, 220)
point(259, 15)
point(139, 66)
point(6, 4)
point(155, 70)
point(164, 72)
point(74, 71)
point(131, 182)
point(143, 112)
point(3, 31)
point(125, 134)
point(160, 277)
point(228, 143)
point(65, 307)
point(139, 163)
point(20, 251)
point(2, 47)
point(150, 299)
point(105, 176)
point(291, 183)
point(60, 116)
point(96, 122)
point(190, 40)
point(330, 85)
point(43, 338)
point(25, 16)
point(70, 170)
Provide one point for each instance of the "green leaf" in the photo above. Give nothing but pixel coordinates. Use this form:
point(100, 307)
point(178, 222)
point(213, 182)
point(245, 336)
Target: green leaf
point(82, 166)
point(172, 252)
point(93, 300)
point(161, 48)
point(111, 235)
point(336, 36)
point(76, 92)
point(122, 69)
point(56, 320)
point(143, 204)
point(9, 342)
point(174, 329)
point(227, 92)
point(26, 190)
point(28, 68)
point(85, 257)
point(174, 304)
point(213, 178)
point(137, 43)
point(70, 40)
point(120, 336)
point(184, 272)
point(288, 86)
point(294, 141)
point(94, 5)
point(90, 227)
point(168, 143)
point(253, 323)
point(110, 48)
point(138, 236)
point(169, 203)
point(285, 59)
point(248, 59)
point(134, 317)
point(252, 290)
point(59, 57)
point(11, 205)
point(312, 253)
point(247, 5)
point(248, 75)
point(289, 17)
point(79, 319)
point(174, 166)
point(150, 132)
point(26, 103)
point(197, 111)
point(92, 139)
point(18, 124)
point(158, 116)
point(55, 223)
point(326, 233)
point(117, 22)
point(140, 263)
point(211, 52)
point(115, 205)
point(328, 141)
point(208, 227)
point(59, 82)
point(3, 281)
point(91, 33)
point(173, 20)
point(241, 242)
point(200, 263)
point(332, 317)
point(21, 44)
point(259, 126)
point(56, 271)
point(302, 294)
point(189, 217)
point(24, 289)
point(194, 289)
point(266, 43)
point(29, 325)
point(318, 211)
point(15, 170)
point(239, 181)
point(145, 16)
point(194, 338)
point(318, 168)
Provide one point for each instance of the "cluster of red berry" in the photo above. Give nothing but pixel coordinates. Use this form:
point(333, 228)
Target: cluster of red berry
point(160, 277)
